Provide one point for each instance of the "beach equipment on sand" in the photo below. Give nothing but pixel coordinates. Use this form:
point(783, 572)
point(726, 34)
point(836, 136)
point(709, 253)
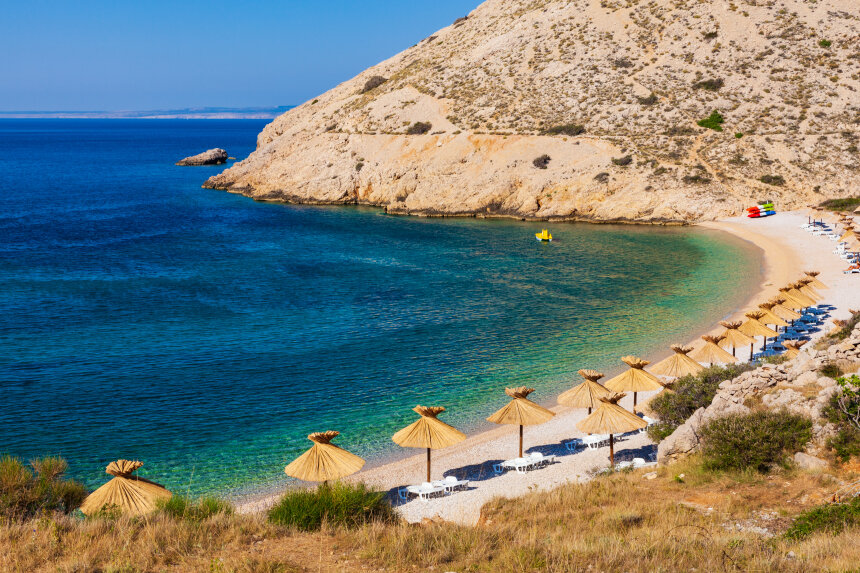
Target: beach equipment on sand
point(324, 461)
point(804, 287)
point(636, 379)
point(792, 348)
point(587, 394)
point(610, 418)
point(677, 365)
point(814, 281)
point(799, 296)
point(734, 337)
point(781, 310)
point(428, 432)
point(770, 317)
point(130, 494)
point(790, 300)
point(753, 327)
point(521, 411)
point(711, 353)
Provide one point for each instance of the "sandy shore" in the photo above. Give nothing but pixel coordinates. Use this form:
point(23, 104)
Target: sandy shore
point(788, 251)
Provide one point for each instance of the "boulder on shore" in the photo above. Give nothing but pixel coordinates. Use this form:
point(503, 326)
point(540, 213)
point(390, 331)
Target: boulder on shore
point(215, 156)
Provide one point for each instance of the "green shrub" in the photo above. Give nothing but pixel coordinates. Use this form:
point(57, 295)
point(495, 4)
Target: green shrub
point(359, 166)
point(830, 518)
point(777, 180)
point(541, 162)
point(739, 135)
point(713, 121)
point(26, 493)
point(623, 161)
point(419, 128)
point(649, 100)
point(181, 507)
point(845, 444)
point(831, 370)
point(690, 393)
point(755, 441)
point(844, 411)
point(346, 505)
point(566, 129)
point(843, 204)
point(825, 43)
point(373, 82)
point(712, 85)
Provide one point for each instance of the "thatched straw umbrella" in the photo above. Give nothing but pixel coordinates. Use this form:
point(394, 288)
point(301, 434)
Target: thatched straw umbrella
point(428, 432)
point(802, 298)
point(130, 494)
point(324, 461)
point(792, 348)
point(753, 327)
point(790, 300)
point(815, 282)
point(610, 418)
point(781, 310)
point(734, 337)
point(635, 380)
point(521, 411)
point(677, 365)
point(803, 286)
point(770, 317)
point(711, 353)
point(587, 394)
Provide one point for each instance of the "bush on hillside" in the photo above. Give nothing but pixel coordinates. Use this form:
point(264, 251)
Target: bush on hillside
point(711, 85)
point(542, 161)
point(842, 204)
point(372, 83)
point(181, 507)
point(756, 441)
point(713, 121)
point(622, 161)
point(346, 505)
point(26, 492)
point(844, 412)
point(648, 100)
point(830, 519)
point(689, 394)
point(777, 180)
point(566, 129)
point(419, 128)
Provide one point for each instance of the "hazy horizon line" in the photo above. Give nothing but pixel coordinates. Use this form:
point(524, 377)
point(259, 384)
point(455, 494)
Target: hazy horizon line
point(208, 112)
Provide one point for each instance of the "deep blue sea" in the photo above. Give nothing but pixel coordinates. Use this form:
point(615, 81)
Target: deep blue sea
point(206, 334)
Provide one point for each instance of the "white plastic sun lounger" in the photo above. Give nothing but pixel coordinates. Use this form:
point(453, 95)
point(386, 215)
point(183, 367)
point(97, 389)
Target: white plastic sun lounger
point(450, 483)
point(595, 441)
point(425, 491)
point(521, 465)
point(541, 460)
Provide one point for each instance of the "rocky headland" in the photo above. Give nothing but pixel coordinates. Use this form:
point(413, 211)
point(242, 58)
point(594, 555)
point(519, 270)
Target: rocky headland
point(584, 110)
point(215, 156)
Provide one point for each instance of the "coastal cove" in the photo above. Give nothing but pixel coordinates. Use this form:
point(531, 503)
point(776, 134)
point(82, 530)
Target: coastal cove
point(207, 334)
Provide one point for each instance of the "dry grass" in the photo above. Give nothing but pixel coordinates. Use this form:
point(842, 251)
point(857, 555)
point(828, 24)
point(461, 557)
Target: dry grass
point(621, 522)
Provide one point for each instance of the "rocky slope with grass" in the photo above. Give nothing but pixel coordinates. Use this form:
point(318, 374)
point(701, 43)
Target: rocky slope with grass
point(804, 385)
point(584, 109)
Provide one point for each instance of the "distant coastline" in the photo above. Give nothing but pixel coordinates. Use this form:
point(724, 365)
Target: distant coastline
point(183, 113)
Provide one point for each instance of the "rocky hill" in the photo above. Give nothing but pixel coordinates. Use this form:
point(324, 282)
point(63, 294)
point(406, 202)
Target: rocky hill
point(585, 109)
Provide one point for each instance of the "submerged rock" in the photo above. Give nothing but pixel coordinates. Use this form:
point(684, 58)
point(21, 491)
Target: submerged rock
point(215, 156)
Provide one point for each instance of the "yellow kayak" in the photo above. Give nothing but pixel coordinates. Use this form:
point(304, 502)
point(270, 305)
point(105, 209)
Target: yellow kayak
point(544, 235)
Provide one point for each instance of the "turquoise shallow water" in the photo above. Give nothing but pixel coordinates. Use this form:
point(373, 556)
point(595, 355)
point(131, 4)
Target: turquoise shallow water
point(206, 334)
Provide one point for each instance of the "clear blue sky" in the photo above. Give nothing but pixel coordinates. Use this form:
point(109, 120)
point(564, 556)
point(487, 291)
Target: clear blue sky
point(153, 54)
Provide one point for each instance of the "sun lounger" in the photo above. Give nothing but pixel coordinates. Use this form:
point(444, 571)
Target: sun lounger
point(540, 460)
point(521, 465)
point(451, 483)
point(425, 491)
point(574, 445)
point(595, 441)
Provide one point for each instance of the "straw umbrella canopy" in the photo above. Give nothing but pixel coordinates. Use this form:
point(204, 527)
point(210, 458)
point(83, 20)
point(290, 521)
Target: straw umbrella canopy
point(803, 286)
point(677, 365)
point(428, 432)
point(792, 348)
point(781, 310)
point(814, 280)
point(635, 380)
point(587, 394)
point(799, 296)
point(324, 461)
point(131, 494)
point(521, 411)
point(711, 353)
point(753, 327)
point(790, 300)
point(734, 337)
point(610, 418)
point(770, 317)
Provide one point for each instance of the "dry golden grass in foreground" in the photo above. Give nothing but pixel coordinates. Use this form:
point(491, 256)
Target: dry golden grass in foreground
point(621, 522)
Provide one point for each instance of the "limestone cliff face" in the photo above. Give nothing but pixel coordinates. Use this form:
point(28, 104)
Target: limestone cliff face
point(497, 87)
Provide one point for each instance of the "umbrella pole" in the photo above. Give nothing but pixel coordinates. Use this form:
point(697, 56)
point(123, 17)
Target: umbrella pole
point(428, 464)
point(634, 399)
point(734, 348)
point(751, 350)
point(521, 440)
point(612, 450)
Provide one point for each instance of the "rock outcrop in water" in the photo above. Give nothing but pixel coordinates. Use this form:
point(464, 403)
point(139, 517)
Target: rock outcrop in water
point(215, 156)
point(619, 93)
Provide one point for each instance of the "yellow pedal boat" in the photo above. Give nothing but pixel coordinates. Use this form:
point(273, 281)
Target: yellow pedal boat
point(544, 235)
